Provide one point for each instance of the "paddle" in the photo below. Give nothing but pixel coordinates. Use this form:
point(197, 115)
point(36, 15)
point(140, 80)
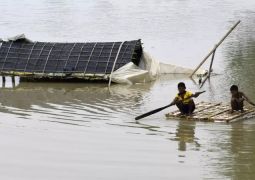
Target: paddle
point(164, 107)
point(152, 112)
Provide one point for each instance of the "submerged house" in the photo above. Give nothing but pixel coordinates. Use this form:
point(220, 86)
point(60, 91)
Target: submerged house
point(121, 62)
point(56, 61)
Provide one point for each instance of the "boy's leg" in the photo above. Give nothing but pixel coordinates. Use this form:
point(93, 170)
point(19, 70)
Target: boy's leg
point(236, 105)
point(180, 106)
point(240, 105)
point(192, 107)
point(186, 108)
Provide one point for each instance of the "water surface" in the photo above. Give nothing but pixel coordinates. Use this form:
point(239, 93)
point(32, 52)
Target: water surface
point(87, 131)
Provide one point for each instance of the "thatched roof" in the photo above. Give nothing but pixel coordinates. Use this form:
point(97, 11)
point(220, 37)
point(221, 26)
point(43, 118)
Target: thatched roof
point(97, 58)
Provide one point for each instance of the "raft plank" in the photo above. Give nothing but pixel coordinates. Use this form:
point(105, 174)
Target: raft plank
point(214, 112)
point(208, 114)
point(229, 117)
point(199, 107)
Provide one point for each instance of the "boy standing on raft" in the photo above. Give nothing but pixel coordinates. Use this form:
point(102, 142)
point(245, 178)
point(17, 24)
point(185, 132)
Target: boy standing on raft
point(237, 99)
point(184, 101)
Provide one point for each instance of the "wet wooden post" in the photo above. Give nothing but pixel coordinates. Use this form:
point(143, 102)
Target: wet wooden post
point(13, 81)
point(202, 83)
point(210, 68)
point(3, 81)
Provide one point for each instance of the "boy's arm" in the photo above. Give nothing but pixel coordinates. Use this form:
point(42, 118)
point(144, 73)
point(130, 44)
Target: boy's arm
point(173, 102)
point(197, 94)
point(248, 100)
point(193, 95)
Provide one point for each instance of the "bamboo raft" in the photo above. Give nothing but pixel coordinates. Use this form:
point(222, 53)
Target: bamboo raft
point(214, 112)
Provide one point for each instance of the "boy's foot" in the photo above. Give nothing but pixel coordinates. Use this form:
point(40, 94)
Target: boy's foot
point(190, 114)
point(182, 115)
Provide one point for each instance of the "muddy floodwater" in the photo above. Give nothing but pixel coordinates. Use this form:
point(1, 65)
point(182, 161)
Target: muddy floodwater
point(87, 131)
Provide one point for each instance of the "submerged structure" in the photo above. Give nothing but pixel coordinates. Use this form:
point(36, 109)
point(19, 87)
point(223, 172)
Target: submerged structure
point(121, 62)
point(56, 61)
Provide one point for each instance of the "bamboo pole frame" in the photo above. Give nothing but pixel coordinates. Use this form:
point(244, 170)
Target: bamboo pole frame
point(213, 50)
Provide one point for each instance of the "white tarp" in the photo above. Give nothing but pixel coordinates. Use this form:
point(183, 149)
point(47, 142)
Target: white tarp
point(149, 69)
point(130, 74)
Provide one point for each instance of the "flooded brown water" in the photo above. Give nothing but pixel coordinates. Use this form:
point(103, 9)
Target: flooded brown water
point(86, 131)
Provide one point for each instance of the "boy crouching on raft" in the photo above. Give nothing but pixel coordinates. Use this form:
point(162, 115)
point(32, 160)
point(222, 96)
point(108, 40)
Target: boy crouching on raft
point(237, 99)
point(184, 101)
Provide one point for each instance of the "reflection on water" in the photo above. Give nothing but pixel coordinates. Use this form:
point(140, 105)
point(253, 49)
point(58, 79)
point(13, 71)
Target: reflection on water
point(240, 57)
point(185, 134)
point(242, 148)
point(71, 103)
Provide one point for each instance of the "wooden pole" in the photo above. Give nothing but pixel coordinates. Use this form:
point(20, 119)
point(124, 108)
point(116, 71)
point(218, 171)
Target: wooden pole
point(110, 77)
point(210, 68)
point(216, 46)
point(13, 81)
point(3, 81)
point(204, 81)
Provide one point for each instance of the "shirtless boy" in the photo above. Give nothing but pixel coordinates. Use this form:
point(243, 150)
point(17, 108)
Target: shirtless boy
point(237, 99)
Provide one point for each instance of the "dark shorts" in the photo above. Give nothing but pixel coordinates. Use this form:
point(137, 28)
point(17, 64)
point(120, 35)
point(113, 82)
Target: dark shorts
point(186, 108)
point(236, 105)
